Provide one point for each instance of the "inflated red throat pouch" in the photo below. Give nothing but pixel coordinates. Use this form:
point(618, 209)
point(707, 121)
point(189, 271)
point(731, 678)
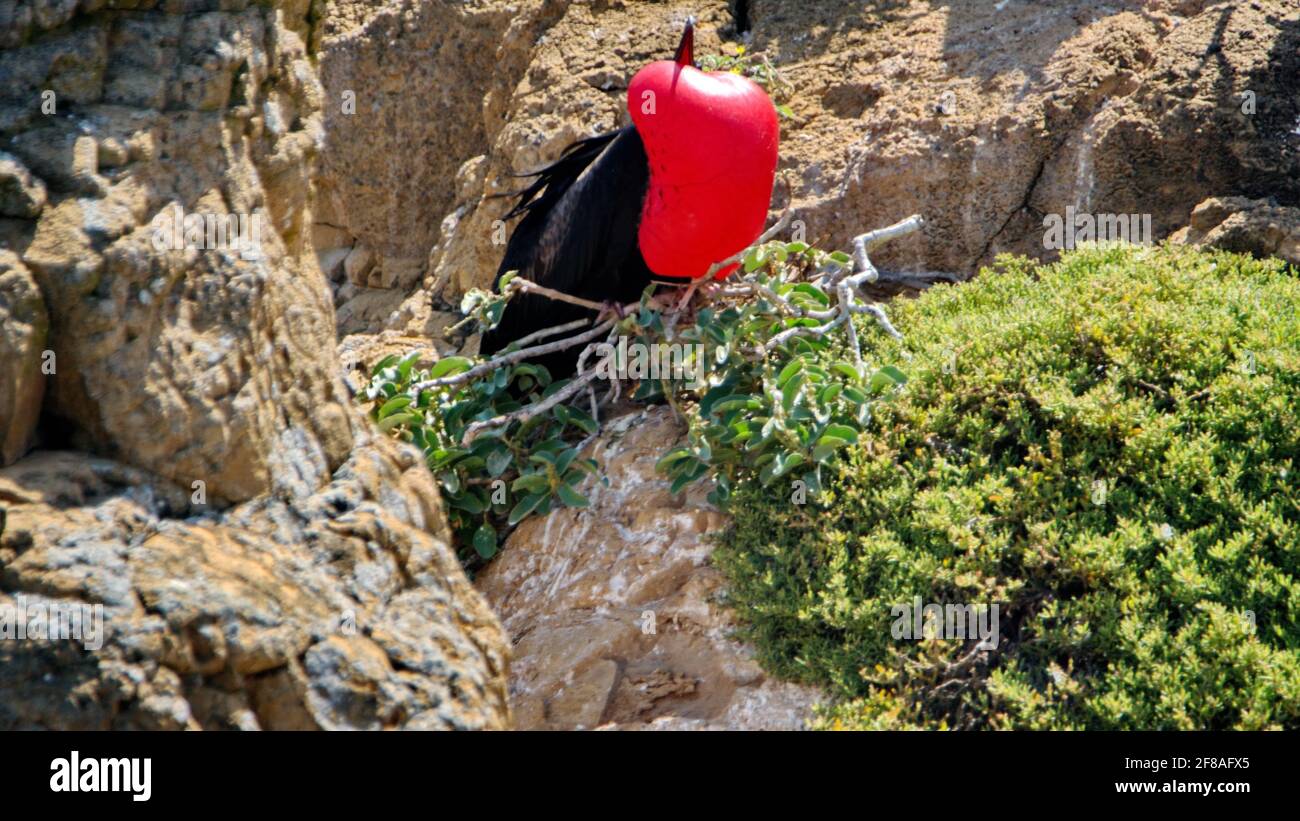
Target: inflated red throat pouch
point(711, 138)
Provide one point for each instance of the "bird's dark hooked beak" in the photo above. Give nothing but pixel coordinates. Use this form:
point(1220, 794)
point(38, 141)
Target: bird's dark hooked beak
point(685, 55)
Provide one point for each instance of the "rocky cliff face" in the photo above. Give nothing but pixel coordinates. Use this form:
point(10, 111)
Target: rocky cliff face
point(405, 85)
point(261, 558)
point(984, 117)
point(1246, 226)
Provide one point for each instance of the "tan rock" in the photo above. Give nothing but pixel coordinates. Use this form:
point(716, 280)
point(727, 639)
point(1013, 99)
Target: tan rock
point(263, 558)
point(200, 364)
point(404, 83)
point(366, 309)
point(614, 609)
point(1246, 226)
point(582, 699)
point(358, 264)
point(23, 328)
point(1051, 105)
point(342, 609)
point(21, 194)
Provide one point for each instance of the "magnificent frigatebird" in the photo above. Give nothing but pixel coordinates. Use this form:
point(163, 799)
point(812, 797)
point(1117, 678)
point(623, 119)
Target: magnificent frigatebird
point(687, 184)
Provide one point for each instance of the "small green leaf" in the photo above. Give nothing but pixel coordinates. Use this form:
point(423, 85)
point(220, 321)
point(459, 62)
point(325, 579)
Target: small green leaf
point(583, 421)
point(791, 392)
point(812, 294)
point(485, 541)
point(526, 506)
point(855, 396)
point(499, 460)
point(449, 366)
point(680, 483)
point(670, 457)
point(451, 482)
point(846, 370)
point(571, 497)
point(566, 459)
point(789, 463)
point(813, 481)
point(531, 483)
point(405, 364)
point(394, 405)
point(848, 434)
point(542, 458)
point(440, 459)
point(788, 372)
point(886, 377)
point(468, 502)
point(383, 364)
point(733, 402)
point(398, 419)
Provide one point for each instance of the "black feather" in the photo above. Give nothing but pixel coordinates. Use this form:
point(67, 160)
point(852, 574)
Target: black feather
point(578, 235)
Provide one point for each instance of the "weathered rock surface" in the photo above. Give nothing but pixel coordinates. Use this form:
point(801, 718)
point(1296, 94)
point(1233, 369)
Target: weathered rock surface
point(614, 610)
point(339, 609)
point(263, 559)
point(1258, 227)
point(23, 326)
point(404, 85)
point(195, 362)
point(21, 194)
point(987, 117)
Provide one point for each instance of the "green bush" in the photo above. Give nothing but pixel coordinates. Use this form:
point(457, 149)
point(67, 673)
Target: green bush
point(1106, 449)
point(766, 384)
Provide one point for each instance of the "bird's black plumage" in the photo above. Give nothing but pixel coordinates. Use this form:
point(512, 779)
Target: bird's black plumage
point(578, 235)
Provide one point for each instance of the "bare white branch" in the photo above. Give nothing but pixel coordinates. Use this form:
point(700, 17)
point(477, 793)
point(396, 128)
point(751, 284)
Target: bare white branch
point(517, 356)
point(846, 288)
point(529, 287)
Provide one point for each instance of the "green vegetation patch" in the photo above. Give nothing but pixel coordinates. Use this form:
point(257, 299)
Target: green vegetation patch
point(1106, 449)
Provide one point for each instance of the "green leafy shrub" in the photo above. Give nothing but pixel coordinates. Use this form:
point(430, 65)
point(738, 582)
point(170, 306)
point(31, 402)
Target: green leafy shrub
point(781, 394)
point(775, 406)
point(1106, 448)
point(495, 481)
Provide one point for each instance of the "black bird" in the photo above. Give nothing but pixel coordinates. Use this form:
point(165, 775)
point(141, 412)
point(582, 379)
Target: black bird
point(578, 235)
point(686, 185)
